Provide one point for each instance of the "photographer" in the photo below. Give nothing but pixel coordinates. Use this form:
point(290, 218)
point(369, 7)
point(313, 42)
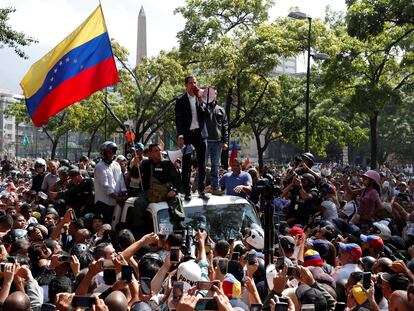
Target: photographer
point(303, 197)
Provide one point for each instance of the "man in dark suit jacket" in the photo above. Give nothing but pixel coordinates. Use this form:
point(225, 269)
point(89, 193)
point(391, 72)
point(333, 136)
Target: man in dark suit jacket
point(189, 121)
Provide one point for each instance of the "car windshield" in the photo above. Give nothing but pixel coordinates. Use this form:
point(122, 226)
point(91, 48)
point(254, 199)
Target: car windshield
point(223, 221)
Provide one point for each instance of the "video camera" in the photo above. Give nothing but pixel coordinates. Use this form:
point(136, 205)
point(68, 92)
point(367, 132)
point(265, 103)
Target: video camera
point(188, 233)
point(268, 188)
point(392, 253)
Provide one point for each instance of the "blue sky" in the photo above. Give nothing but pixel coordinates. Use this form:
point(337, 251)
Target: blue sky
point(50, 21)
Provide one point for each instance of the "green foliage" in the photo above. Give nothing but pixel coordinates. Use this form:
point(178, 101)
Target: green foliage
point(374, 61)
point(369, 18)
point(11, 38)
point(396, 129)
point(208, 20)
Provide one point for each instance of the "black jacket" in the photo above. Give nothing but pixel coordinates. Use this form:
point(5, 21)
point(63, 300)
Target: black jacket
point(37, 182)
point(216, 123)
point(183, 115)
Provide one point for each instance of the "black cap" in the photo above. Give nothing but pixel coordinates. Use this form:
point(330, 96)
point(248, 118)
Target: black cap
point(287, 242)
point(309, 295)
point(97, 216)
point(397, 281)
point(74, 172)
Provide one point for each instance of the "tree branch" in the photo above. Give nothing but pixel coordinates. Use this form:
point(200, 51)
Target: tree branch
point(47, 133)
point(403, 81)
point(258, 100)
point(126, 67)
point(114, 115)
point(151, 97)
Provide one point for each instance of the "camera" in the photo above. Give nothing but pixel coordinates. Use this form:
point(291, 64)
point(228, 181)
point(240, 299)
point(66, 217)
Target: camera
point(108, 264)
point(267, 188)
point(252, 258)
point(280, 262)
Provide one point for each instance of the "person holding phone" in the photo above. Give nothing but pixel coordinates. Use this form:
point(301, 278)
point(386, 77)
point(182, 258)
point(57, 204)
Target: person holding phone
point(190, 114)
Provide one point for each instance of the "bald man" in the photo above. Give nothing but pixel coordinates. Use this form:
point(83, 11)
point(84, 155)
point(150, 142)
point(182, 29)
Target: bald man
point(17, 301)
point(116, 301)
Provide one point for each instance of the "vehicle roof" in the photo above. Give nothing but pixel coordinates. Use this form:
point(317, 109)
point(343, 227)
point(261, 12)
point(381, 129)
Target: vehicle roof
point(196, 201)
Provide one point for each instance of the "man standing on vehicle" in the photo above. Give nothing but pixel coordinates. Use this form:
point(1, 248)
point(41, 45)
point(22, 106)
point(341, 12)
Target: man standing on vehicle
point(108, 182)
point(237, 182)
point(189, 121)
point(161, 182)
point(216, 125)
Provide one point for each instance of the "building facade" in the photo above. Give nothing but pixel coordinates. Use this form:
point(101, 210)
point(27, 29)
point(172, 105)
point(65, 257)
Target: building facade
point(7, 124)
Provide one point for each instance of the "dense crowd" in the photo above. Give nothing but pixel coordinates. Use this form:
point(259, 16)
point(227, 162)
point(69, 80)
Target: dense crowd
point(344, 238)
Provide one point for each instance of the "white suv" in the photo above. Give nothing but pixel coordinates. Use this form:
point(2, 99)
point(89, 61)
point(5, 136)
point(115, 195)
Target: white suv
point(225, 215)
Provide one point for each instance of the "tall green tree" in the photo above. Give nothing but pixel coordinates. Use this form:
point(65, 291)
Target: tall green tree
point(280, 116)
point(374, 62)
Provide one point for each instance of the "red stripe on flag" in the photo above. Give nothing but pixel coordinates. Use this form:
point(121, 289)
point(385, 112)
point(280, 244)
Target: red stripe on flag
point(233, 155)
point(75, 89)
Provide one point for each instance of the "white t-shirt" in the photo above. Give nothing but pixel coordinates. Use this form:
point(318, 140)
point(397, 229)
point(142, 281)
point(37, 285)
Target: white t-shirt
point(350, 209)
point(108, 179)
point(329, 210)
point(342, 274)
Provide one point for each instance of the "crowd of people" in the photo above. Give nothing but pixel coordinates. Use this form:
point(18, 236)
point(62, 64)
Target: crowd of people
point(344, 239)
point(344, 236)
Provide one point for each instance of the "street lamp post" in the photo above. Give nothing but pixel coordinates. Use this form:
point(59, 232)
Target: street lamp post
point(320, 56)
point(300, 15)
point(307, 87)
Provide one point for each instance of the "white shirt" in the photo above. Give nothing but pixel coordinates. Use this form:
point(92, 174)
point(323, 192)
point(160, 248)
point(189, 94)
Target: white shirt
point(108, 179)
point(349, 209)
point(48, 181)
point(194, 118)
point(329, 210)
point(342, 274)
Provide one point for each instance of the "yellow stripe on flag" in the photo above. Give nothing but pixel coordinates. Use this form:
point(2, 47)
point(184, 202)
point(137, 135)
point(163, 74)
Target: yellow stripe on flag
point(91, 28)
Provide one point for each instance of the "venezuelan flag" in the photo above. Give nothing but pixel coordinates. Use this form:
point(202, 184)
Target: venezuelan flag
point(80, 65)
point(233, 153)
